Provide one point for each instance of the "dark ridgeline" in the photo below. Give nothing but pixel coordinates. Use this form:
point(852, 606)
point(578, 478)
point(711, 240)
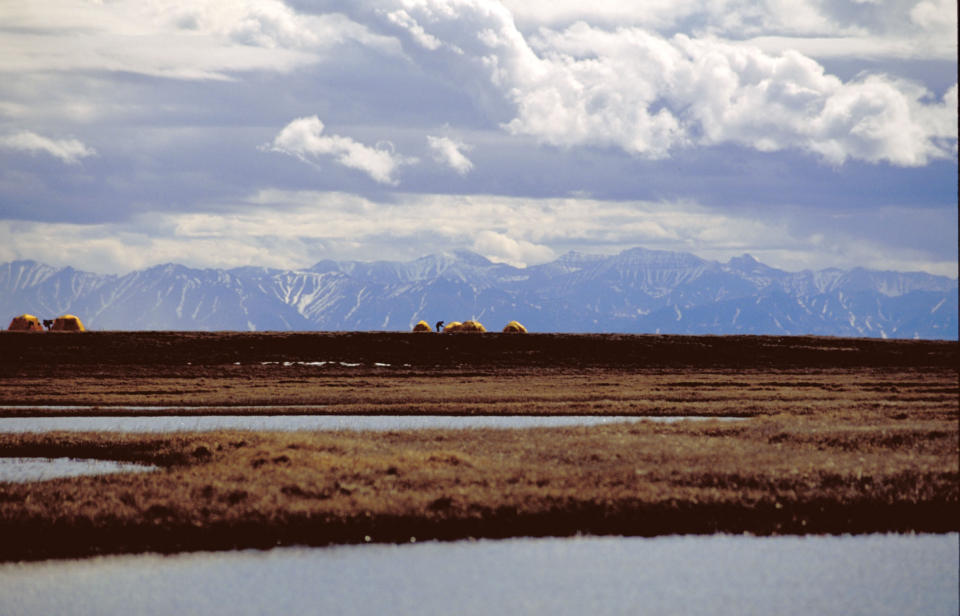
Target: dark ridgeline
point(574, 351)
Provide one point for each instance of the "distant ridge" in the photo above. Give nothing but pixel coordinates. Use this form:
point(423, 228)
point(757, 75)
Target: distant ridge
point(635, 291)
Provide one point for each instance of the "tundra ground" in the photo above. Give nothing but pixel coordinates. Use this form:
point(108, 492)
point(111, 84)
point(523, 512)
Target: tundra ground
point(842, 436)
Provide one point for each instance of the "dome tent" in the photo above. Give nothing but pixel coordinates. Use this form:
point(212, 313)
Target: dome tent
point(25, 323)
point(67, 323)
point(465, 327)
point(514, 327)
point(422, 326)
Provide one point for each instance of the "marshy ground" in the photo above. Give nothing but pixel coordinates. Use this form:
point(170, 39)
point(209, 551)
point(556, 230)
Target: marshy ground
point(842, 436)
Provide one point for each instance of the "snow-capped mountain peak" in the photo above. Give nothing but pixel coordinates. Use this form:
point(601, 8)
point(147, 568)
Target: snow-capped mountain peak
point(637, 290)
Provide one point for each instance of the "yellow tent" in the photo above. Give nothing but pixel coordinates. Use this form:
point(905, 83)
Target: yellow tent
point(422, 326)
point(25, 323)
point(514, 327)
point(465, 327)
point(67, 323)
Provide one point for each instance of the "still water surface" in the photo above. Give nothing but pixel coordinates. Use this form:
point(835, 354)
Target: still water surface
point(718, 574)
point(22, 470)
point(174, 423)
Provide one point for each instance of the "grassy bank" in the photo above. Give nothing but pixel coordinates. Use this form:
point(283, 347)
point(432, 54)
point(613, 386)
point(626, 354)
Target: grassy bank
point(777, 474)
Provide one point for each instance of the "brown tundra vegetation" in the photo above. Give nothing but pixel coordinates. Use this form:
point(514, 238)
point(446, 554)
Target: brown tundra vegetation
point(838, 436)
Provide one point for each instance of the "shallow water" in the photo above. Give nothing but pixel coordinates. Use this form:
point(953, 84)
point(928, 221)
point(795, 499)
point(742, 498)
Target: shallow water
point(21, 470)
point(144, 409)
point(719, 574)
point(175, 423)
point(147, 408)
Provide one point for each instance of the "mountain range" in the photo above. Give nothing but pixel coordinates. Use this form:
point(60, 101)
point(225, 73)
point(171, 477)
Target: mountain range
point(635, 291)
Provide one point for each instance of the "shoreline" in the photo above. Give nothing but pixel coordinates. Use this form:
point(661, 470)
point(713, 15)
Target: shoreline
point(229, 489)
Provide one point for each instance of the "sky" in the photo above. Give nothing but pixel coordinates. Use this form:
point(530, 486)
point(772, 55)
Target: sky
point(224, 133)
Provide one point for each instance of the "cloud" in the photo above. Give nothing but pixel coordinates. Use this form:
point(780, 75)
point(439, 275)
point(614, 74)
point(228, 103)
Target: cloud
point(302, 138)
point(532, 14)
point(734, 18)
point(877, 120)
point(857, 28)
point(403, 19)
point(650, 94)
point(661, 103)
point(501, 248)
point(290, 229)
point(178, 39)
point(446, 151)
point(629, 81)
point(69, 151)
point(120, 248)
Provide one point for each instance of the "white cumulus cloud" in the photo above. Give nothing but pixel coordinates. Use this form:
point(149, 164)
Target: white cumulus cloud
point(304, 139)
point(446, 151)
point(649, 94)
point(402, 19)
point(69, 151)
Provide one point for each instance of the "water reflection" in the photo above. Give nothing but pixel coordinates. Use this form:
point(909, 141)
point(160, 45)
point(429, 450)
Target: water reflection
point(175, 423)
point(874, 574)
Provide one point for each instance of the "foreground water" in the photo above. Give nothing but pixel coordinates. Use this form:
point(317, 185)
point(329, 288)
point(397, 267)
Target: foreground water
point(719, 574)
point(176, 423)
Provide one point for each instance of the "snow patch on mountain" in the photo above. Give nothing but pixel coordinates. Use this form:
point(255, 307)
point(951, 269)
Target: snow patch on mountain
point(637, 290)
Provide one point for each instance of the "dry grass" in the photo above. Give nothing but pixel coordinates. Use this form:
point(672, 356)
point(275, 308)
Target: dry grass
point(828, 449)
point(738, 393)
point(778, 474)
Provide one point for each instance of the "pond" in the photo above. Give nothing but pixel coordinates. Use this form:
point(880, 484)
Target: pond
point(21, 470)
point(175, 423)
point(717, 574)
